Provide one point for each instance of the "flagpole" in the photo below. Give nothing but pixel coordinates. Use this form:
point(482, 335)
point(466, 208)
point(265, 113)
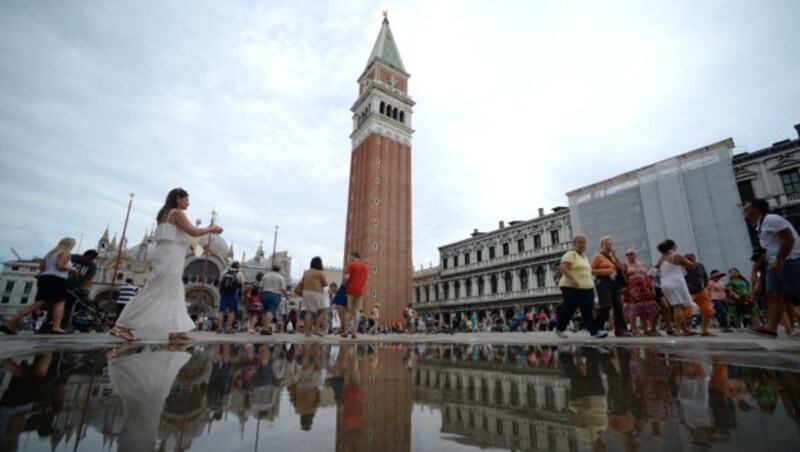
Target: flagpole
point(119, 250)
point(274, 244)
point(207, 251)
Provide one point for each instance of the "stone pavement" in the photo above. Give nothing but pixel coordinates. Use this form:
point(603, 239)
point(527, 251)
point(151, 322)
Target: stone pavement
point(723, 344)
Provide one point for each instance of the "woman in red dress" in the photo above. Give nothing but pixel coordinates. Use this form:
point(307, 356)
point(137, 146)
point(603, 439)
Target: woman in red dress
point(638, 297)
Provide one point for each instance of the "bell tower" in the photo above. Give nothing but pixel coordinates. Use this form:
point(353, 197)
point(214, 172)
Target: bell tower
point(379, 199)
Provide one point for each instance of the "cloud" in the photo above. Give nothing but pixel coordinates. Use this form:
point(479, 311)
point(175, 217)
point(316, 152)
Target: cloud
point(246, 105)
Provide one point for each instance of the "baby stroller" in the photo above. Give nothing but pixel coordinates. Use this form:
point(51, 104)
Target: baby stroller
point(84, 315)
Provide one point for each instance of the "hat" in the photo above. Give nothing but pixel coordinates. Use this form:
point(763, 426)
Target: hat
point(716, 274)
point(630, 251)
point(235, 264)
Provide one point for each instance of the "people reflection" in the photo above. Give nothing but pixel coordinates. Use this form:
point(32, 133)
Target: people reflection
point(305, 392)
point(351, 409)
point(220, 380)
point(587, 399)
point(143, 381)
point(17, 403)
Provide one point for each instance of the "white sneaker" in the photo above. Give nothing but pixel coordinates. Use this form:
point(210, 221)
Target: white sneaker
point(600, 334)
point(561, 334)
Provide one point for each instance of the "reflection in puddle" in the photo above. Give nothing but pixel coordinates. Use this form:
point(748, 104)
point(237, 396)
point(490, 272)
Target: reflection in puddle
point(392, 397)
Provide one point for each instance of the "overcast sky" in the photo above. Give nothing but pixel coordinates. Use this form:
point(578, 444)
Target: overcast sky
point(246, 105)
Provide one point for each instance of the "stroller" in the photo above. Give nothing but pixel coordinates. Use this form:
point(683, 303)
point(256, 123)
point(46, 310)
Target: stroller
point(84, 315)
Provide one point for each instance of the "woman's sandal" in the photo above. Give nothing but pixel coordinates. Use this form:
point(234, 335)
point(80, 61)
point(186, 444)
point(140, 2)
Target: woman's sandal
point(123, 334)
point(180, 337)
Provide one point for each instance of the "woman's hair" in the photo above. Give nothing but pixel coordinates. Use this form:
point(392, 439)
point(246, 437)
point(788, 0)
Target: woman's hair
point(666, 245)
point(579, 236)
point(604, 239)
point(171, 202)
point(259, 275)
point(316, 263)
point(333, 287)
point(65, 244)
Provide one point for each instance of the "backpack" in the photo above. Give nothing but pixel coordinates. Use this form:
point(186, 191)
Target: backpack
point(229, 282)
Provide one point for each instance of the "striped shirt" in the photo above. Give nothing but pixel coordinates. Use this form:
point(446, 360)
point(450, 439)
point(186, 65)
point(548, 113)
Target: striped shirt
point(126, 292)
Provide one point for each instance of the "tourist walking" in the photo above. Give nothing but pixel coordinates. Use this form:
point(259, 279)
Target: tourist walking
point(577, 289)
point(673, 285)
point(716, 290)
point(272, 287)
point(639, 296)
point(782, 258)
point(51, 288)
point(697, 282)
point(161, 305)
point(126, 293)
point(355, 277)
point(231, 287)
point(743, 303)
point(254, 306)
point(313, 282)
point(608, 270)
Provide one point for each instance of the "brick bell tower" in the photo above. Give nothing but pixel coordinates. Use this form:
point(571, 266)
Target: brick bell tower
point(379, 199)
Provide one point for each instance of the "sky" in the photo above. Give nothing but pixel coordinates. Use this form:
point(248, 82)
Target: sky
point(246, 105)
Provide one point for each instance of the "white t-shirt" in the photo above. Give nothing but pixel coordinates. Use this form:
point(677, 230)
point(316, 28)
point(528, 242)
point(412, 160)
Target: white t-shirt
point(768, 236)
point(273, 282)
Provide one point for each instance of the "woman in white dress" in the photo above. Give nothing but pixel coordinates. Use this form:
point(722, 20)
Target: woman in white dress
point(161, 305)
point(673, 284)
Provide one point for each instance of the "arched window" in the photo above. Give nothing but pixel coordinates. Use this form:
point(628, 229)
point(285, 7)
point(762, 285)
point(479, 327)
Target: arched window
point(402, 117)
point(523, 279)
point(468, 287)
point(446, 291)
point(388, 111)
point(508, 280)
point(417, 293)
point(394, 113)
point(480, 285)
point(457, 289)
point(493, 283)
point(427, 293)
point(383, 107)
point(540, 276)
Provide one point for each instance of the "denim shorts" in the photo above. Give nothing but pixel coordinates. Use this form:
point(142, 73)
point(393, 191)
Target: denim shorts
point(228, 302)
point(271, 302)
point(787, 280)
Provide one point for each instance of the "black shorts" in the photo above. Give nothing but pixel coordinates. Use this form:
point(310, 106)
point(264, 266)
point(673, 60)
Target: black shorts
point(51, 289)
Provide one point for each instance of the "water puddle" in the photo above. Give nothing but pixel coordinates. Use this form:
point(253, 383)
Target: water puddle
point(387, 397)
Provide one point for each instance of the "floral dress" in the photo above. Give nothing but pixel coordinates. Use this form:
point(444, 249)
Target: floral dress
point(639, 298)
point(745, 305)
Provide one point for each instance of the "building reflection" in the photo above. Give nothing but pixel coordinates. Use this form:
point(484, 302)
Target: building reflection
point(505, 397)
point(587, 398)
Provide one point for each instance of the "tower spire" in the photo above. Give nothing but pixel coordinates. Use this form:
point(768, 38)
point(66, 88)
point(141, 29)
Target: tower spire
point(385, 48)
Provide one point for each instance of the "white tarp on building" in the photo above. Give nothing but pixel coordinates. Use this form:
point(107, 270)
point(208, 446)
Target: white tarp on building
point(691, 198)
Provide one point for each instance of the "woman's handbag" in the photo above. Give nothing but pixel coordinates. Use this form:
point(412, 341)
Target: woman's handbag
point(298, 289)
point(340, 298)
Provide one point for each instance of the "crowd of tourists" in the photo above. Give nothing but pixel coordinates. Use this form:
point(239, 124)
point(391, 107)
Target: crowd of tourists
point(633, 300)
point(677, 296)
